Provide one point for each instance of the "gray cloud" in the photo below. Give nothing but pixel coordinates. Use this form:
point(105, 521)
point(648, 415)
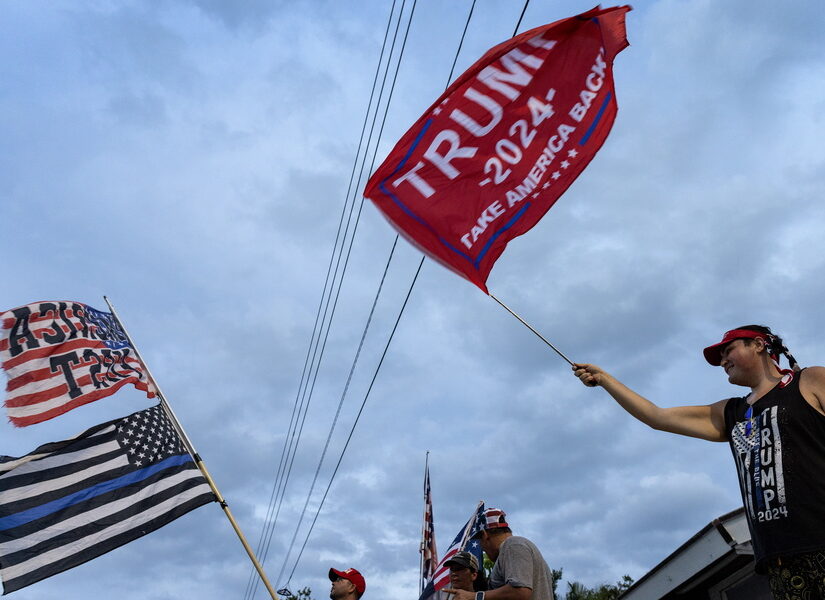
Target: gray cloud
point(190, 160)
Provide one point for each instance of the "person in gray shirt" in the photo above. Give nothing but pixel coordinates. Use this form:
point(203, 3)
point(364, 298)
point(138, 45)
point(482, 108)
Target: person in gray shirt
point(519, 572)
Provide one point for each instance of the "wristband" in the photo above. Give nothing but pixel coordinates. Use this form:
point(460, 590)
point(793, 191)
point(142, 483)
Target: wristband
point(479, 595)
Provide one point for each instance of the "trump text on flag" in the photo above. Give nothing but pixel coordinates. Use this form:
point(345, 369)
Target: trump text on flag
point(494, 153)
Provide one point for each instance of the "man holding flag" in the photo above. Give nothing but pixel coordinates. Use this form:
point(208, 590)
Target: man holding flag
point(519, 573)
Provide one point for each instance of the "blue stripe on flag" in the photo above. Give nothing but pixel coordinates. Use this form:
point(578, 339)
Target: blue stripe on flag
point(494, 237)
point(595, 122)
point(413, 146)
point(54, 506)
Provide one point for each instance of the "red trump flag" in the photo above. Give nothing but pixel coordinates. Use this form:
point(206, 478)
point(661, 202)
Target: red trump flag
point(490, 157)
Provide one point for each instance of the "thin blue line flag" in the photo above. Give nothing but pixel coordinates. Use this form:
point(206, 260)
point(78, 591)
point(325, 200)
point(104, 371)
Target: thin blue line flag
point(71, 501)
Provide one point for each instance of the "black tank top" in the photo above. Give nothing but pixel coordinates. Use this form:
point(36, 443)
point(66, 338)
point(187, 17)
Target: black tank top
point(780, 457)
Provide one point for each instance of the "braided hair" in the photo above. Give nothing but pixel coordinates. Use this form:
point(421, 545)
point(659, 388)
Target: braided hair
point(775, 345)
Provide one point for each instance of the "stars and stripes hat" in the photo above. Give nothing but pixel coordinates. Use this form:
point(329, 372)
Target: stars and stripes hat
point(493, 518)
point(351, 575)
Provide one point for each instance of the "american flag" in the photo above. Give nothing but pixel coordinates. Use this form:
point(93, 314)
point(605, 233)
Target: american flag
point(441, 577)
point(429, 558)
point(61, 355)
point(71, 501)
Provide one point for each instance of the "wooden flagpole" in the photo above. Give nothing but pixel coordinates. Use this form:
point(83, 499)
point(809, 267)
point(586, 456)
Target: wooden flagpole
point(190, 447)
point(541, 337)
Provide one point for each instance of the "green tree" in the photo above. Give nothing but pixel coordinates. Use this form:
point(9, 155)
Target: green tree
point(486, 564)
point(577, 591)
point(606, 591)
point(556, 578)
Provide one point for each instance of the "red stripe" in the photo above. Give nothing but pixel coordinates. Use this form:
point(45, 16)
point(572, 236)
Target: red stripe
point(79, 401)
point(47, 373)
point(56, 392)
point(442, 572)
point(35, 317)
point(52, 349)
point(441, 582)
point(42, 396)
point(46, 395)
point(34, 375)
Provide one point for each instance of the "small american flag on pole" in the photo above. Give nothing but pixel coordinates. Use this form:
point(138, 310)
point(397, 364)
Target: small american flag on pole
point(61, 355)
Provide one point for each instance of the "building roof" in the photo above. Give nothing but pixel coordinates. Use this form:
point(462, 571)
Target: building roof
point(718, 549)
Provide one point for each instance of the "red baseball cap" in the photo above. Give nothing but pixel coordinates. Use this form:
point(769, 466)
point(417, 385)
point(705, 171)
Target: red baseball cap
point(713, 354)
point(351, 575)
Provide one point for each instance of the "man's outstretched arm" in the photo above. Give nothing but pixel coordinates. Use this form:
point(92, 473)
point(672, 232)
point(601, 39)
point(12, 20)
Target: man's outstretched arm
point(706, 421)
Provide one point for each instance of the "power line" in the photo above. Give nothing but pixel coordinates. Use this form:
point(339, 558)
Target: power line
point(521, 16)
point(337, 414)
point(461, 43)
point(352, 239)
point(357, 418)
point(279, 484)
point(308, 391)
point(397, 321)
point(392, 333)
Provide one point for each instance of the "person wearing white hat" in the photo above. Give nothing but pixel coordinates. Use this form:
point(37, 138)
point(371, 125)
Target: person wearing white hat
point(519, 572)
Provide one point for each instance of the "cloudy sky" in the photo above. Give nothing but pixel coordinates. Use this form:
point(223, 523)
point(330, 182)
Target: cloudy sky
point(190, 159)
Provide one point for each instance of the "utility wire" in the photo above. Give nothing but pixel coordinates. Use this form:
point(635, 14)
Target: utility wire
point(357, 417)
point(521, 16)
point(346, 262)
point(398, 319)
point(278, 484)
point(337, 414)
point(308, 391)
point(460, 43)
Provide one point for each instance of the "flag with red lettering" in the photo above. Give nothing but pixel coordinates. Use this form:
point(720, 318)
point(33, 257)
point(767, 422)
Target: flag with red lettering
point(491, 156)
point(60, 355)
